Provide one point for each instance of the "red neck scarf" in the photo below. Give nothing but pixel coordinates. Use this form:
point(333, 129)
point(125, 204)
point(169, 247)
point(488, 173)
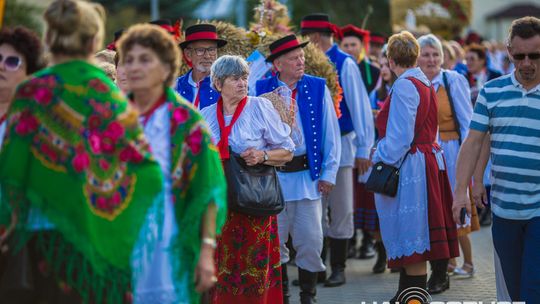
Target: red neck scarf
point(3, 118)
point(223, 144)
point(198, 97)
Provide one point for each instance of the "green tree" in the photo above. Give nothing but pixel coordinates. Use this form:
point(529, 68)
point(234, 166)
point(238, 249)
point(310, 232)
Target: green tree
point(24, 14)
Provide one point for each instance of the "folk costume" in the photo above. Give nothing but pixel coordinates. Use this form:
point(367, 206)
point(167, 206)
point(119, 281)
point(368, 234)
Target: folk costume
point(407, 125)
point(193, 179)
point(357, 138)
point(247, 256)
point(316, 158)
point(76, 170)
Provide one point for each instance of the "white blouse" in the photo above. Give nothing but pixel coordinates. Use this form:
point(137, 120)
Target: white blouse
point(3, 127)
point(258, 126)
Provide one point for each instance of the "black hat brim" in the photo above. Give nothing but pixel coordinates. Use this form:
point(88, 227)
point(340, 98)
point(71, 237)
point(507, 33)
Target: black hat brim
point(306, 31)
point(220, 42)
point(272, 57)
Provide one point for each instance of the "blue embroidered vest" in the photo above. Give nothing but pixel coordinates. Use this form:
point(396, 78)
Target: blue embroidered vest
point(338, 57)
point(207, 97)
point(309, 98)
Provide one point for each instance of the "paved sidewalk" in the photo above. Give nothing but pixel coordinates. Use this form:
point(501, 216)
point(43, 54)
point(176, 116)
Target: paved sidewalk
point(363, 285)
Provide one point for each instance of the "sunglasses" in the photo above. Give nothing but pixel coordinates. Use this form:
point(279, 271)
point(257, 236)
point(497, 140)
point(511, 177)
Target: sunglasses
point(531, 56)
point(11, 63)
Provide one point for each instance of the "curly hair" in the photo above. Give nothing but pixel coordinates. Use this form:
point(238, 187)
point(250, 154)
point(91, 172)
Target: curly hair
point(156, 39)
point(26, 43)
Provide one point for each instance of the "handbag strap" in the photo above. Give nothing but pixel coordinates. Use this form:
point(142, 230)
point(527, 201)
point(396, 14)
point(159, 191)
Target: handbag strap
point(452, 108)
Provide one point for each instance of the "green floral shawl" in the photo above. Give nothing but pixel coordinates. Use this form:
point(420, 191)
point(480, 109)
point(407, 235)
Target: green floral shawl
point(74, 151)
point(197, 180)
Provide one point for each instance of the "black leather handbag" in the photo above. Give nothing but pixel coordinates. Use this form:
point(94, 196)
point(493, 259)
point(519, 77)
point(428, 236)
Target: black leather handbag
point(252, 190)
point(384, 179)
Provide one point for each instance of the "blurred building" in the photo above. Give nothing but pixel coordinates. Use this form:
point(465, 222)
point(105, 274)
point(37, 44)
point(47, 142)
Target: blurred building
point(492, 18)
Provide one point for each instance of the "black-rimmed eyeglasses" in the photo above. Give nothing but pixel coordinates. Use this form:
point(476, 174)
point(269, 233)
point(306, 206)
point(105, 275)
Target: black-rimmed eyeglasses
point(200, 51)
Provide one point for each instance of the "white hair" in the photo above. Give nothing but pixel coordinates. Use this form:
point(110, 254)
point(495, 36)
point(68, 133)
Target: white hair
point(227, 66)
point(432, 41)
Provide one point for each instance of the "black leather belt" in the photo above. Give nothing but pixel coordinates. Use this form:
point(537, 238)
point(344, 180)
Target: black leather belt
point(298, 163)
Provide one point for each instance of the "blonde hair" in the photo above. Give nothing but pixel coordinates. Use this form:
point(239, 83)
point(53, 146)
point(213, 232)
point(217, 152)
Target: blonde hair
point(108, 68)
point(449, 51)
point(403, 49)
point(72, 25)
point(155, 38)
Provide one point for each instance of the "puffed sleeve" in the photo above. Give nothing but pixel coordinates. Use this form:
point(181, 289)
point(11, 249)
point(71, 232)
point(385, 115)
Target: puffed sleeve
point(276, 133)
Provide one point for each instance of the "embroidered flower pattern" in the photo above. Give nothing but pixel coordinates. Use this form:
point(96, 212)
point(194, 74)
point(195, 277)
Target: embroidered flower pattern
point(27, 124)
point(194, 141)
point(247, 263)
point(98, 86)
point(43, 96)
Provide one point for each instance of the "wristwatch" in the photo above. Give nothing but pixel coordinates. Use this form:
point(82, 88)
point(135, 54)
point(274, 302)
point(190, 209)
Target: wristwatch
point(265, 157)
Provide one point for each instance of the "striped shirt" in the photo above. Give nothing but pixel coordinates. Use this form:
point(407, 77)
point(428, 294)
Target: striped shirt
point(512, 116)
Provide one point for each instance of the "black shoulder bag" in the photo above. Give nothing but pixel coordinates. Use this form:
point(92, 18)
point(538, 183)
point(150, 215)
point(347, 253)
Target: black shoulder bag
point(252, 190)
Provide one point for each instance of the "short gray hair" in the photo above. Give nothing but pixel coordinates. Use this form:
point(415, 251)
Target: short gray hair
point(227, 66)
point(432, 41)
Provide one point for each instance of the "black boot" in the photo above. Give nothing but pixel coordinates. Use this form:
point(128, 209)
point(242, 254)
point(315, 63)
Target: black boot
point(439, 280)
point(338, 256)
point(407, 281)
point(308, 286)
point(380, 264)
point(321, 275)
point(285, 284)
point(366, 249)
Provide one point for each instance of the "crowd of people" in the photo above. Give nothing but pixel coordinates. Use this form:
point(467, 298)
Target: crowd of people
point(122, 181)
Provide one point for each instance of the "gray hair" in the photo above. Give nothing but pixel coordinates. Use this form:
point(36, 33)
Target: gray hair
point(432, 41)
point(227, 66)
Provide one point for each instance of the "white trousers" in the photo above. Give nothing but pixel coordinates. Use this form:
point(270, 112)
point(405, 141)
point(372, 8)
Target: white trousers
point(337, 217)
point(302, 220)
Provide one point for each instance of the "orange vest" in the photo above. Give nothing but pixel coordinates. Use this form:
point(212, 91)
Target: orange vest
point(447, 127)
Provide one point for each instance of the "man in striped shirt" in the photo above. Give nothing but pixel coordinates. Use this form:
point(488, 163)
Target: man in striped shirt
point(508, 108)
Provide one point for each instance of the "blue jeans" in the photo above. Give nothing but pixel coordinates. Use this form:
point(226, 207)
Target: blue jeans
point(517, 244)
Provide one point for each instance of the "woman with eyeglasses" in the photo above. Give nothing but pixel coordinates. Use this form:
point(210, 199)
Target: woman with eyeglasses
point(76, 173)
point(20, 56)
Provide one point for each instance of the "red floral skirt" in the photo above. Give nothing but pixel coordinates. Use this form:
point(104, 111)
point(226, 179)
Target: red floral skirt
point(248, 261)
point(442, 228)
